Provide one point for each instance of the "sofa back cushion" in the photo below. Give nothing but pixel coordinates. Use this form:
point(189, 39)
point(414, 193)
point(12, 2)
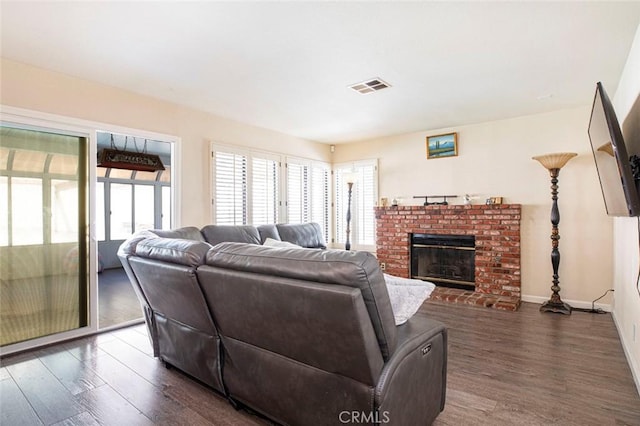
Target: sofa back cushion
point(186, 233)
point(215, 234)
point(174, 250)
point(268, 231)
point(358, 270)
point(166, 271)
point(128, 247)
point(326, 327)
point(307, 235)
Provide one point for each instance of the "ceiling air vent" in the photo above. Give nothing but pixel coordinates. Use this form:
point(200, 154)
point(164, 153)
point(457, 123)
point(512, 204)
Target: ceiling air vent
point(370, 86)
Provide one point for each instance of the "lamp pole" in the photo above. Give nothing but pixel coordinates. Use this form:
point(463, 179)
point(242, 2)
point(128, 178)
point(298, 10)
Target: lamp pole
point(553, 163)
point(347, 244)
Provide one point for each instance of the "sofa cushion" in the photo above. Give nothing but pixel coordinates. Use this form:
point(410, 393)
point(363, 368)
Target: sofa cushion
point(307, 235)
point(128, 247)
point(174, 250)
point(186, 233)
point(215, 234)
point(338, 267)
point(268, 231)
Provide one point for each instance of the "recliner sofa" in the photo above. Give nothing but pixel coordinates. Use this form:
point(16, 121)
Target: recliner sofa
point(305, 337)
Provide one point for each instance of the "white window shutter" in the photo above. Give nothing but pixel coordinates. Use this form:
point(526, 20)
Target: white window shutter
point(363, 200)
point(320, 208)
point(340, 204)
point(264, 190)
point(247, 188)
point(230, 196)
point(297, 192)
point(367, 200)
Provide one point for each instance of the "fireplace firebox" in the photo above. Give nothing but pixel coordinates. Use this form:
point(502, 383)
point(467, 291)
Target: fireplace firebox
point(445, 260)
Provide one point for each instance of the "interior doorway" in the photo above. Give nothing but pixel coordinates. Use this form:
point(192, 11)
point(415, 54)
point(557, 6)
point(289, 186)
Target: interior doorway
point(128, 200)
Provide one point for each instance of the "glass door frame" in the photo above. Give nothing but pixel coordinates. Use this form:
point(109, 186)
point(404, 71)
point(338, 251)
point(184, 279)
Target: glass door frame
point(36, 120)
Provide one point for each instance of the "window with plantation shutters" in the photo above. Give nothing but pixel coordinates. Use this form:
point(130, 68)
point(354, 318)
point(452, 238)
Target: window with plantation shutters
point(320, 197)
point(364, 197)
point(264, 190)
point(231, 185)
point(248, 187)
point(297, 192)
point(308, 193)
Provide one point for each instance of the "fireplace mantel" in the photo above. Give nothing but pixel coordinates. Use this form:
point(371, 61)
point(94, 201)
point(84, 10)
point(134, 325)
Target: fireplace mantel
point(497, 232)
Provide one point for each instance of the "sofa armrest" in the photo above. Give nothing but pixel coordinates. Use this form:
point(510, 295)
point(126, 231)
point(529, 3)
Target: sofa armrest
point(412, 385)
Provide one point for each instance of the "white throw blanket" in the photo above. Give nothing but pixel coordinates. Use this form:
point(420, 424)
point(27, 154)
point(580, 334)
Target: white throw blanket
point(270, 242)
point(406, 295)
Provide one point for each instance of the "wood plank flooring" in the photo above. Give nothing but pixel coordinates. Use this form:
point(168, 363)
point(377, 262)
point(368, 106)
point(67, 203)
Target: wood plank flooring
point(530, 368)
point(505, 368)
point(117, 299)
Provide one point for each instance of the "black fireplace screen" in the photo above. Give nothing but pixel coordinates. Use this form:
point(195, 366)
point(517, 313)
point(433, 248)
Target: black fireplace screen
point(446, 260)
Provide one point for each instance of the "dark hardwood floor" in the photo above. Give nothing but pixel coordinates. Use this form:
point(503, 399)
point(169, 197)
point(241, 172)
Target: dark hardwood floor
point(505, 368)
point(118, 302)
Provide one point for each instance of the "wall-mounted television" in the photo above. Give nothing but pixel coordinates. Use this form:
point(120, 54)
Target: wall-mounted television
point(617, 163)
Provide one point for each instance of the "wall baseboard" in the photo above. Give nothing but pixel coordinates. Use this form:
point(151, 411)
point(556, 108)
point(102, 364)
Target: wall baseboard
point(633, 363)
point(573, 303)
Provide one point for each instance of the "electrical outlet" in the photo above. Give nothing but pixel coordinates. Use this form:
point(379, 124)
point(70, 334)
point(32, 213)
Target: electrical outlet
point(383, 266)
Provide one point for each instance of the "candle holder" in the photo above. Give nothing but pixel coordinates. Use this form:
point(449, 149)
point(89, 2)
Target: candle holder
point(553, 163)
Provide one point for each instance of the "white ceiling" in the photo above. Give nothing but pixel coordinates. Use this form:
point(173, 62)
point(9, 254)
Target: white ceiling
point(286, 65)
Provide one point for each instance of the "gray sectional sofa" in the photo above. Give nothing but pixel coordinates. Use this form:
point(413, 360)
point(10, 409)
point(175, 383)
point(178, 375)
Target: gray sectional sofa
point(305, 337)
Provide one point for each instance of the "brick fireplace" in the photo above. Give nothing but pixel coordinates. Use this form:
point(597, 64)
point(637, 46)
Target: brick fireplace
point(496, 229)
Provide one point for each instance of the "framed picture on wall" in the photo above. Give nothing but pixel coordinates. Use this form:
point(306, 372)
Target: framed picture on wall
point(441, 146)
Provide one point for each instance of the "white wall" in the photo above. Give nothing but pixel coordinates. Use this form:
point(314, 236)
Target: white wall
point(626, 234)
point(495, 160)
point(28, 87)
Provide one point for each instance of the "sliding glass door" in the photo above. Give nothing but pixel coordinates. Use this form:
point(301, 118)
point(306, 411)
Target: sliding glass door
point(43, 233)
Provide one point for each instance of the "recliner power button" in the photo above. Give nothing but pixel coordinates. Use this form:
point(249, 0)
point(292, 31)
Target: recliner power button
point(426, 349)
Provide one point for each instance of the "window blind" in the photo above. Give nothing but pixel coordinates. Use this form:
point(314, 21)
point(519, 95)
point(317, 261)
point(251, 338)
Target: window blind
point(308, 193)
point(264, 191)
point(363, 200)
point(230, 199)
point(320, 187)
point(248, 186)
point(297, 193)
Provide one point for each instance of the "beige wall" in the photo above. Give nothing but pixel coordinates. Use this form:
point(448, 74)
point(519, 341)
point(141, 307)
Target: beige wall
point(495, 160)
point(37, 89)
point(627, 299)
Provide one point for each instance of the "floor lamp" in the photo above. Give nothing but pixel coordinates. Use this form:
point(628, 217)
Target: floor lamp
point(350, 179)
point(554, 162)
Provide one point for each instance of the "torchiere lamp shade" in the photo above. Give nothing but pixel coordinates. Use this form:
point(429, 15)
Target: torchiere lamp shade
point(555, 161)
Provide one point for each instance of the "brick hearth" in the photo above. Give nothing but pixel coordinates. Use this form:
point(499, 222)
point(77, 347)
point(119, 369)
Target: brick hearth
point(497, 232)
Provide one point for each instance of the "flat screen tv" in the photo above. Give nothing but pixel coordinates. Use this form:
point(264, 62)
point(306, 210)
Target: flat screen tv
point(616, 164)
